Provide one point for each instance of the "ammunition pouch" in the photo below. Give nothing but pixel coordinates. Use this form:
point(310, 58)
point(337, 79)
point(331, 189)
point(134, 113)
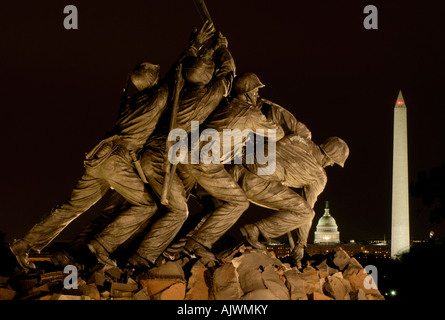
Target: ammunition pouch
point(101, 152)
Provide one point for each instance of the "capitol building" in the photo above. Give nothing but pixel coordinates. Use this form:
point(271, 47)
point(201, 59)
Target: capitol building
point(327, 238)
point(327, 229)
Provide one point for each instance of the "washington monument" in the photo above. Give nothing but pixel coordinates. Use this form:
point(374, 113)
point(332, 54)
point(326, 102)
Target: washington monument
point(400, 241)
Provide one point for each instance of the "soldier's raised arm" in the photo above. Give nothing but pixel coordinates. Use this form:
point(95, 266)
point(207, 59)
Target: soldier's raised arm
point(197, 40)
point(224, 63)
point(286, 120)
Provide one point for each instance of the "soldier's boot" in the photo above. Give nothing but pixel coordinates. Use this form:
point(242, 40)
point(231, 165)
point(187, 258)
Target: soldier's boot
point(195, 249)
point(252, 233)
point(20, 249)
point(137, 261)
point(102, 255)
point(62, 259)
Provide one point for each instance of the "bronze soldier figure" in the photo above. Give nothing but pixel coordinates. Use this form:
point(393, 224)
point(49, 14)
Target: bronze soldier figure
point(112, 164)
point(241, 112)
point(208, 78)
point(294, 169)
point(300, 163)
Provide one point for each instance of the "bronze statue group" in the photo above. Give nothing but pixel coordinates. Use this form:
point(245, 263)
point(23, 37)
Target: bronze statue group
point(151, 194)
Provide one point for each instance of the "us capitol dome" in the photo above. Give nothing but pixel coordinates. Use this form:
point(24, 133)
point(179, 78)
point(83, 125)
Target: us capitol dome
point(327, 229)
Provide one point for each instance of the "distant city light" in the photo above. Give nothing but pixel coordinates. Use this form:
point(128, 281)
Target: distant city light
point(392, 293)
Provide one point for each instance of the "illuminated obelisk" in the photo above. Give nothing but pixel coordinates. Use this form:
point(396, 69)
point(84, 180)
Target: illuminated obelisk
point(400, 241)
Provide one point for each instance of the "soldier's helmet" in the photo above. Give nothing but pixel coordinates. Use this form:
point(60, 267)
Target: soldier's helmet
point(336, 149)
point(246, 82)
point(199, 70)
point(145, 75)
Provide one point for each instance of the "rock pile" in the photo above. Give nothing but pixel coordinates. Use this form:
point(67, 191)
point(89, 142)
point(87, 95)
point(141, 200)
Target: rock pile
point(242, 273)
point(251, 274)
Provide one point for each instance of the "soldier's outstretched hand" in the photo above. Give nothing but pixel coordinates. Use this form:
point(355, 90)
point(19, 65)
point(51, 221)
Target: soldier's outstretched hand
point(205, 33)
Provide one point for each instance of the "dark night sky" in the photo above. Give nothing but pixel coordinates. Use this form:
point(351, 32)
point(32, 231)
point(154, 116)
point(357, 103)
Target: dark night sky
point(60, 91)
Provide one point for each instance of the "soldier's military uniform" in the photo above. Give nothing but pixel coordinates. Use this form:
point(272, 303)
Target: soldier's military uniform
point(213, 178)
point(206, 85)
point(299, 164)
point(110, 164)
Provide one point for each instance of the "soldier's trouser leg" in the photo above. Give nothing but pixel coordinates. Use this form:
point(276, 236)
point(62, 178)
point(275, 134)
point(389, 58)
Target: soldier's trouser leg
point(115, 205)
point(121, 175)
point(88, 190)
point(293, 210)
point(219, 184)
point(164, 229)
